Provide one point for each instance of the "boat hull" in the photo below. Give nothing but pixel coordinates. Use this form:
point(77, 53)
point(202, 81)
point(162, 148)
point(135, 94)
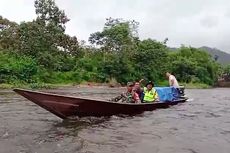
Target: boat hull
point(67, 106)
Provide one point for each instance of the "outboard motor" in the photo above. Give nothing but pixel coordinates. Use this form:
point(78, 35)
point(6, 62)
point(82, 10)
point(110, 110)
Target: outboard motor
point(181, 92)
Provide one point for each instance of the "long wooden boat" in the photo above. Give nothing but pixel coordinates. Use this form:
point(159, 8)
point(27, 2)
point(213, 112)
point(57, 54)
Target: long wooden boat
point(67, 106)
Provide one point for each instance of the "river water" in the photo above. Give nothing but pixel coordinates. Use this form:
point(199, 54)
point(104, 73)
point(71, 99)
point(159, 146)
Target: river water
point(201, 125)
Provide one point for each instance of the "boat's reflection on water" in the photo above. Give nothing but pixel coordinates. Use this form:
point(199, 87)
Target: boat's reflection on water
point(73, 125)
point(83, 122)
point(75, 122)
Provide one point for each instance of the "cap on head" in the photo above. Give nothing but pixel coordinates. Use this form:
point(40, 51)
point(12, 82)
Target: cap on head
point(150, 82)
point(130, 84)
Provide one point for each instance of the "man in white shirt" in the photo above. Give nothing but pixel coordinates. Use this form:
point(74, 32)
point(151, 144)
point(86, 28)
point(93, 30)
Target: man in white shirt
point(172, 80)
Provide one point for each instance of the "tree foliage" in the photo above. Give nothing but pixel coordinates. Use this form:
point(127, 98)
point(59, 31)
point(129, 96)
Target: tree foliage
point(48, 13)
point(43, 39)
point(116, 35)
point(40, 50)
point(148, 59)
point(194, 65)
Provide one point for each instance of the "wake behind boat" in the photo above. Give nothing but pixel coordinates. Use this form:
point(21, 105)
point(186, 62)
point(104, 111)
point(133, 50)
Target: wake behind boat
point(68, 106)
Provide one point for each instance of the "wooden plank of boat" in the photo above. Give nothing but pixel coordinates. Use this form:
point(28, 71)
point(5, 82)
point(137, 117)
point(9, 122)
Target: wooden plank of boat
point(67, 106)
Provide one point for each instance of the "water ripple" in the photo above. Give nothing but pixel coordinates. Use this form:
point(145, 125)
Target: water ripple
point(200, 125)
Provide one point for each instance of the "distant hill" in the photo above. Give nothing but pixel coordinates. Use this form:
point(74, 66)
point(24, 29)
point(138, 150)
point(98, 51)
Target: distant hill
point(222, 57)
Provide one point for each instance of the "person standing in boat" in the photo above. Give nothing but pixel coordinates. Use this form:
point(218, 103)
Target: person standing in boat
point(172, 80)
point(150, 93)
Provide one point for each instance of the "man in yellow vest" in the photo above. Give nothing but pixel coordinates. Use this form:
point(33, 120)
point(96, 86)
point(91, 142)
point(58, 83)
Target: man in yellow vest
point(150, 94)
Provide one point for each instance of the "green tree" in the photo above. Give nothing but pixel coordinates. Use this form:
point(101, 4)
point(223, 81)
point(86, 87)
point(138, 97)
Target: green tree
point(17, 69)
point(150, 59)
point(227, 70)
point(8, 34)
point(43, 39)
point(193, 65)
point(116, 67)
point(48, 13)
point(117, 35)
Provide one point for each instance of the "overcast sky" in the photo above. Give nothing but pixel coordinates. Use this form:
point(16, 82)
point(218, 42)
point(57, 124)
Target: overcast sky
point(189, 22)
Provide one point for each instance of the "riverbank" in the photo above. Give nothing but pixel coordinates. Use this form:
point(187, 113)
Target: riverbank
point(196, 86)
point(56, 86)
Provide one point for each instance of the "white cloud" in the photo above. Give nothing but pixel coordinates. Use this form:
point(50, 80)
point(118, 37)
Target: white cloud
point(195, 23)
point(17, 10)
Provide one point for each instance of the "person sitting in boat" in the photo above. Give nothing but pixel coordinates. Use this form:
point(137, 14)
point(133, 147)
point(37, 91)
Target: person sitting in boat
point(131, 96)
point(137, 88)
point(150, 94)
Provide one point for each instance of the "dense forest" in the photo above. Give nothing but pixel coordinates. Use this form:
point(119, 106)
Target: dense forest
point(40, 51)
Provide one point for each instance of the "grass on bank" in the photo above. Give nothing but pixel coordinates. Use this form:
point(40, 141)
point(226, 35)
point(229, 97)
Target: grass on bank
point(110, 84)
point(186, 85)
point(196, 86)
point(33, 86)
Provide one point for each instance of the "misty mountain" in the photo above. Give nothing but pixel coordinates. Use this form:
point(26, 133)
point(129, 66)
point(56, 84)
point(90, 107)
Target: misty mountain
point(221, 56)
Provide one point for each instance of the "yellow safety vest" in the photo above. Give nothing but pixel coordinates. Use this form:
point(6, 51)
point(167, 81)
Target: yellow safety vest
point(151, 95)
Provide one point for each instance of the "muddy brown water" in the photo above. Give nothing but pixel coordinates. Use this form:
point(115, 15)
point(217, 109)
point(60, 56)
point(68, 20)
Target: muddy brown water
point(201, 125)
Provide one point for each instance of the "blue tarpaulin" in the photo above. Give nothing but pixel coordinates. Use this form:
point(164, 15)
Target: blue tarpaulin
point(167, 93)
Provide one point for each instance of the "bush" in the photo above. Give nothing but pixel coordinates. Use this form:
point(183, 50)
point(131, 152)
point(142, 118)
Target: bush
point(13, 68)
